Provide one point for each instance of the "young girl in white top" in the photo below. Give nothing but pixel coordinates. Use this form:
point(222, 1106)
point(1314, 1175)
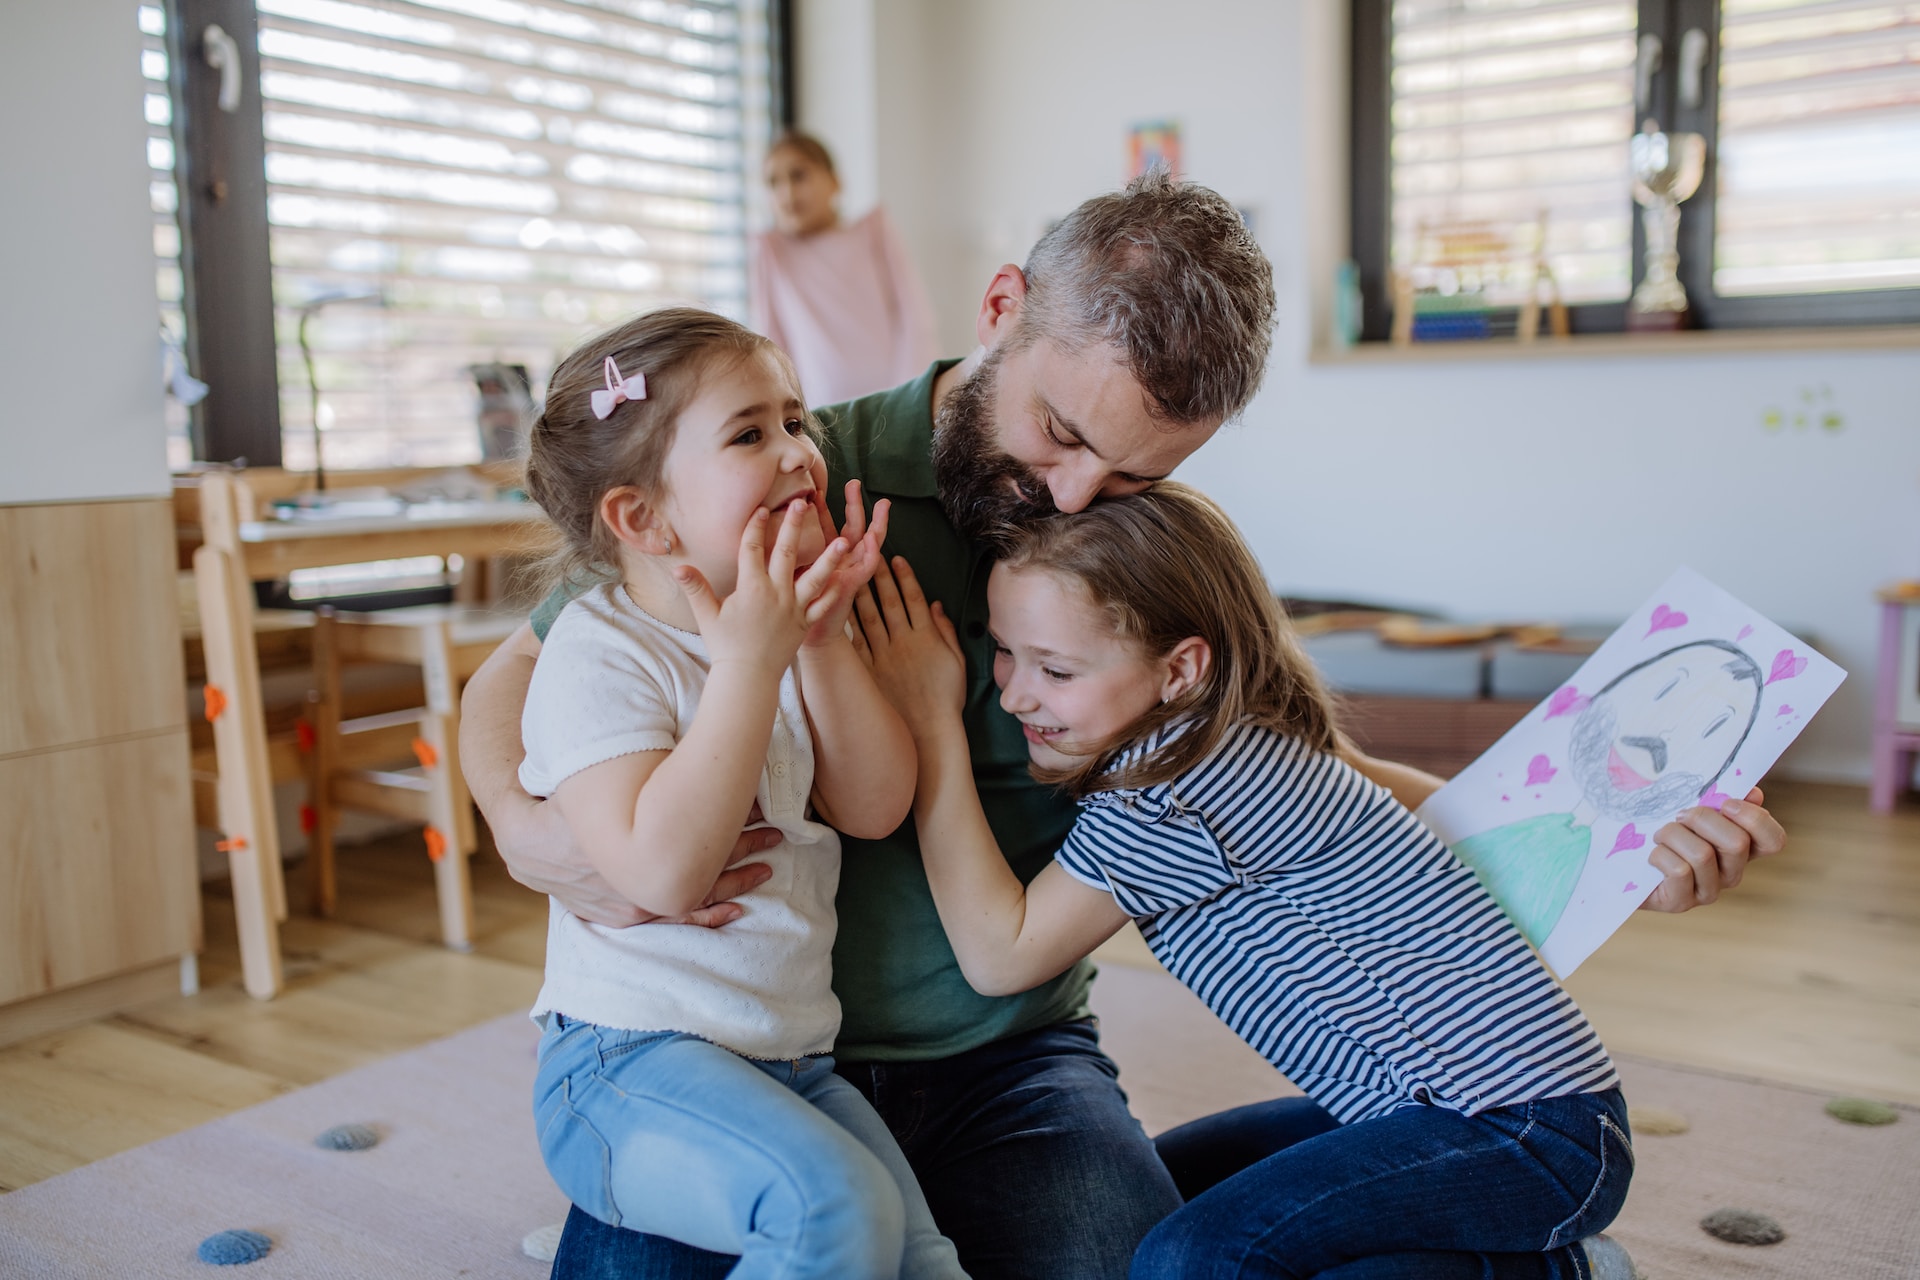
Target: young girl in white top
point(1465, 1120)
point(703, 682)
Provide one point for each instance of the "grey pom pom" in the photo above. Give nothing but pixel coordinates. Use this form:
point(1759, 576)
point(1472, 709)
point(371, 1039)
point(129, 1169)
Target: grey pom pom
point(348, 1137)
point(542, 1243)
point(1742, 1226)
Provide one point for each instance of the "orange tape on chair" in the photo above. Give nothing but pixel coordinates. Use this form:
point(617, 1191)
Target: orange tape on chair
point(424, 752)
point(228, 846)
point(216, 702)
point(436, 844)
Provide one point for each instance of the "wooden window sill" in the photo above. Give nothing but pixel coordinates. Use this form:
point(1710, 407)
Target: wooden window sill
point(1692, 342)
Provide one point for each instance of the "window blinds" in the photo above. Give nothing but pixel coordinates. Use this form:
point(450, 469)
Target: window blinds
point(1819, 164)
point(163, 198)
point(1505, 110)
point(502, 177)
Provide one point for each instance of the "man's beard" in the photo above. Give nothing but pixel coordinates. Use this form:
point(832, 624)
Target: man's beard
point(1592, 738)
point(975, 478)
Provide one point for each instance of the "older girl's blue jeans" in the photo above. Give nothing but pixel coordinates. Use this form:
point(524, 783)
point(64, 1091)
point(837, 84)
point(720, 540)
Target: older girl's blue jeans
point(1422, 1193)
point(783, 1163)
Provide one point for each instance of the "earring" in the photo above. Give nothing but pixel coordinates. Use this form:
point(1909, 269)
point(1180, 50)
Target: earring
point(669, 538)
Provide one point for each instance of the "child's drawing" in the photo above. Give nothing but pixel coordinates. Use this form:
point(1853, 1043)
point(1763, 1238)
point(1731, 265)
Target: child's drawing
point(1681, 706)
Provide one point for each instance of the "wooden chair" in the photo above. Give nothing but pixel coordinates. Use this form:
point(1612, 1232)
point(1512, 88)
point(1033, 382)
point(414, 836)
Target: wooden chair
point(448, 643)
point(223, 531)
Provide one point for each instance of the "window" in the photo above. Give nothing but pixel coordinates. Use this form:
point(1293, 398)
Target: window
point(461, 183)
point(164, 197)
point(1819, 188)
point(1517, 114)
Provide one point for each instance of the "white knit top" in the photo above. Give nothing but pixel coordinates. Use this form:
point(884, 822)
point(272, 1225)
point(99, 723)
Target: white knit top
point(612, 681)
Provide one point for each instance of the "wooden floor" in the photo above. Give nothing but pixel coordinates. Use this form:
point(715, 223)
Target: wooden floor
point(1809, 973)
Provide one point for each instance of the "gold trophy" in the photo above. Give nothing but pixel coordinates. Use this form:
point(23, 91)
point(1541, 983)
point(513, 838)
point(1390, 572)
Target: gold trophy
point(1667, 168)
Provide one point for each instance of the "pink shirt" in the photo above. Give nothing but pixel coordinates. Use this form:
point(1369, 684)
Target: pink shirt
point(846, 305)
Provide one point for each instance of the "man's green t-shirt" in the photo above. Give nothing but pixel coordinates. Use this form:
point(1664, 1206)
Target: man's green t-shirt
point(902, 995)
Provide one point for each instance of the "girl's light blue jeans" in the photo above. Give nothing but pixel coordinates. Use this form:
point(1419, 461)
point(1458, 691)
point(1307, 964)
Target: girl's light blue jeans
point(783, 1163)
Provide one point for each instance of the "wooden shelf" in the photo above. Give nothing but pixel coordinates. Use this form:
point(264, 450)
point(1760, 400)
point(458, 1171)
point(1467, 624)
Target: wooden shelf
point(1618, 346)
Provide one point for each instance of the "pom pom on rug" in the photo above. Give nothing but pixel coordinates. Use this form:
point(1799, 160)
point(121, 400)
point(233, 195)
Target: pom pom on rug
point(1656, 1122)
point(1861, 1111)
point(542, 1243)
point(1742, 1226)
point(348, 1137)
point(233, 1248)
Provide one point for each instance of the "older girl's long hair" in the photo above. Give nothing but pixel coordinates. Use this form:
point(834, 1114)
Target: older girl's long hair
point(1166, 564)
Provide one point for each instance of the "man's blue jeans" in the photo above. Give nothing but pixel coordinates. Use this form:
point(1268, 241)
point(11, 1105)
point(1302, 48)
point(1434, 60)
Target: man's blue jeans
point(1024, 1148)
point(1421, 1194)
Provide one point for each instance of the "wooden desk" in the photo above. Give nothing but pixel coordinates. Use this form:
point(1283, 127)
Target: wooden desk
point(237, 549)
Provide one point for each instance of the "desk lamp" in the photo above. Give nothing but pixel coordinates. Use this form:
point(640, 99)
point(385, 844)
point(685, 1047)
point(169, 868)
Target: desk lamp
point(313, 307)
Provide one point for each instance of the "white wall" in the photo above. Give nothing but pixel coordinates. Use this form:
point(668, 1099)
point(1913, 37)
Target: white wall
point(80, 405)
point(1555, 489)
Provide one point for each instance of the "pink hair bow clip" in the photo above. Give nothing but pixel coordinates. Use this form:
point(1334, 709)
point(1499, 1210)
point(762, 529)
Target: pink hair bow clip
point(618, 390)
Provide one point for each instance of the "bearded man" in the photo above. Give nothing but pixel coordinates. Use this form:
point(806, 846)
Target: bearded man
point(1138, 325)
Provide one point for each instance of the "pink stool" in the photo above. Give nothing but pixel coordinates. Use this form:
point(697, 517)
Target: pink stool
point(1896, 712)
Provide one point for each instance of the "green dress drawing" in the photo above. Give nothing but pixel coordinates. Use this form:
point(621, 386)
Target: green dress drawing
point(1530, 868)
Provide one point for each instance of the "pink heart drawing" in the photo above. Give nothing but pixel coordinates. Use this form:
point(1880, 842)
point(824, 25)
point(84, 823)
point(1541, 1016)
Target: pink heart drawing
point(1665, 619)
point(1744, 633)
point(1628, 838)
point(1506, 798)
point(1540, 771)
point(1785, 710)
point(1631, 886)
point(1565, 701)
point(1714, 797)
point(1786, 665)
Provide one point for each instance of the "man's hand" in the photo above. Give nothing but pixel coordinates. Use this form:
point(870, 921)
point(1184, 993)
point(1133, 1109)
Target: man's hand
point(1703, 851)
point(540, 854)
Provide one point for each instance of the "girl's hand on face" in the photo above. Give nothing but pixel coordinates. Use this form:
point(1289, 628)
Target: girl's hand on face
point(913, 649)
point(770, 612)
point(858, 568)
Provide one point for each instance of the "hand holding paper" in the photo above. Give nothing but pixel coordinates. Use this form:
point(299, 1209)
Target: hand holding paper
point(1689, 703)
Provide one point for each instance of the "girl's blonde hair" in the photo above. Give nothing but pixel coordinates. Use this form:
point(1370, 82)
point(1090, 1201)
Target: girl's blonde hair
point(575, 459)
point(1166, 564)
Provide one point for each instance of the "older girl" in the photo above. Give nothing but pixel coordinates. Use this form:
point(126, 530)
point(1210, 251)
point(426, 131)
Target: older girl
point(1466, 1120)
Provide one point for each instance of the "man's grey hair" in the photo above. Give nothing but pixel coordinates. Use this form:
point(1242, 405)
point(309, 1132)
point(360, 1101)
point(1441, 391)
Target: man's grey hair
point(1167, 272)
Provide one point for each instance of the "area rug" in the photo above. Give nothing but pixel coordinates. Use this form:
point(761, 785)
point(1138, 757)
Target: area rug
point(456, 1180)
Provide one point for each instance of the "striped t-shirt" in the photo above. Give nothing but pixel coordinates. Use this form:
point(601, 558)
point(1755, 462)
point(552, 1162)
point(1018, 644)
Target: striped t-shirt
point(1335, 934)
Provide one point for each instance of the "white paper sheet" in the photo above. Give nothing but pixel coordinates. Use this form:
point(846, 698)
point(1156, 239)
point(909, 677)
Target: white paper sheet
point(1688, 703)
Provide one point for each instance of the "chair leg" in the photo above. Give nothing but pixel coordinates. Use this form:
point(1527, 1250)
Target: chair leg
point(1892, 767)
point(325, 713)
point(449, 803)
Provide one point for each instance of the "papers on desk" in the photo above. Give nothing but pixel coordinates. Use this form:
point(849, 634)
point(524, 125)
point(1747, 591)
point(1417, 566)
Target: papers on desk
point(382, 516)
point(340, 509)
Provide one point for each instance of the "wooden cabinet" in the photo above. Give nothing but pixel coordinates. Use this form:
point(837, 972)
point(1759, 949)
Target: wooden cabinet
point(97, 863)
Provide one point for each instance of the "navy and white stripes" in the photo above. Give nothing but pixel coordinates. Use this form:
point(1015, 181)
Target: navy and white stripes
point(1335, 934)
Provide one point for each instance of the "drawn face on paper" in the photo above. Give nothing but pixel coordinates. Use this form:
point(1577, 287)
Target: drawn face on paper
point(1659, 734)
